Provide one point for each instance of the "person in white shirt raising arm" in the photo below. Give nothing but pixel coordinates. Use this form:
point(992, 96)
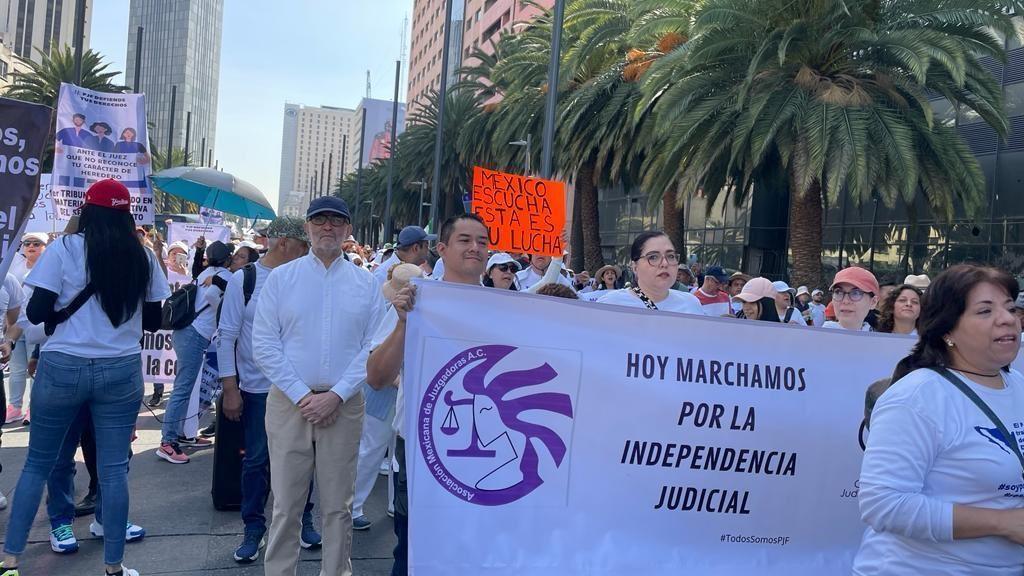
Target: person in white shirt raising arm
point(314, 323)
point(941, 484)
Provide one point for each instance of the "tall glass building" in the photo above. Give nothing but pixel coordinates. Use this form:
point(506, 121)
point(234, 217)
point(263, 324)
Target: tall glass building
point(893, 241)
point(180, 48)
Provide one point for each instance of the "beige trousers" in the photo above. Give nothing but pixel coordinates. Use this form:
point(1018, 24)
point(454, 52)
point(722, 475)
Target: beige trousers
point(299, 449)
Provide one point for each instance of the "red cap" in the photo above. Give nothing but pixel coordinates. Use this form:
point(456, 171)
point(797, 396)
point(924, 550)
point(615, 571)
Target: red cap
point(109, 194)
point(858, 278)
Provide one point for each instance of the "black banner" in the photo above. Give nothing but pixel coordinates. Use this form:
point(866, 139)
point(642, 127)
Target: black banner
point(24, 128)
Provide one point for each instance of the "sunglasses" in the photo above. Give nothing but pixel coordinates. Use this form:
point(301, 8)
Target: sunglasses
point(506, 267)
point(32, 243)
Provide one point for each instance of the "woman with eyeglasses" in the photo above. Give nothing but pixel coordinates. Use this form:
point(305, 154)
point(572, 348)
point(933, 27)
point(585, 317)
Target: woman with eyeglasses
point(501, 272)
point(941, 481)
point(854, 294)
point(654, 262)
point(33, 244)
point(900, 311)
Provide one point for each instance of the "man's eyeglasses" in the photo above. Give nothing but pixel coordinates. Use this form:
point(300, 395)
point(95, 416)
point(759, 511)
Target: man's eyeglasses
point(506, 267)
point(855, 295)
point(321, 219)
point(655, 258)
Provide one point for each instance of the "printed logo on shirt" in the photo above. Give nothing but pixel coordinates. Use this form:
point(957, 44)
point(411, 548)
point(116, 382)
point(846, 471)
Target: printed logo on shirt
point(994, 436)
point(495, 423)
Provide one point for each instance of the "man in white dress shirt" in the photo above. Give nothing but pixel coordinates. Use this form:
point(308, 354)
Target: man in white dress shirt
point(315, 320)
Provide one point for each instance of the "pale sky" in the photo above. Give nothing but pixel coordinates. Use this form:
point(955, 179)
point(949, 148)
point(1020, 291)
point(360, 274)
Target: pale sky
point(313, 52)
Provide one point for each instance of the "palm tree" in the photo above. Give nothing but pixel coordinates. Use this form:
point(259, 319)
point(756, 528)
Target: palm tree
point(40, 83)
point(161, 199)
point(835, 92)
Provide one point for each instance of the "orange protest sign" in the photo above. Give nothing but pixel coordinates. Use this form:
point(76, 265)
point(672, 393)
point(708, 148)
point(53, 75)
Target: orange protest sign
point(522, 214)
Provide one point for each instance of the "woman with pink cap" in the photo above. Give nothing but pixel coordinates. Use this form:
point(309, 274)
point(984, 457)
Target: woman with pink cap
point(854, 293)
point(758, 301)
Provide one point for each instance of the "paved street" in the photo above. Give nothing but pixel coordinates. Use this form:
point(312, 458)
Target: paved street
point(185, 535)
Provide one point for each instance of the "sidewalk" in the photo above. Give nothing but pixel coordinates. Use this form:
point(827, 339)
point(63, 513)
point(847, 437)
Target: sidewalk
point(185, 535)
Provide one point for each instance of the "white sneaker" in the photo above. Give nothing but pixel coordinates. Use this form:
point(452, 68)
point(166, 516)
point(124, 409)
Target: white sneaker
point(3, 502)
point(124, 572)
point(132, 532)
point(62, 540)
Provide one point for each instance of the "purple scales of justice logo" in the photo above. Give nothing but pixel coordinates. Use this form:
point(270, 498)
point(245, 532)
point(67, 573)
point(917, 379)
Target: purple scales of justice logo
point(496, 409)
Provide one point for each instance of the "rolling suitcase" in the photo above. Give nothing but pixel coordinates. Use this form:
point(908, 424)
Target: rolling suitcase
point(228, 451)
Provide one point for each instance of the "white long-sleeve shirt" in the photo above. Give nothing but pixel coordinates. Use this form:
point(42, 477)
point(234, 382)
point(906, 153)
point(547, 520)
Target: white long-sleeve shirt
point(207, 301)
point(234, 345)
point(930, 447)
point(314, 326)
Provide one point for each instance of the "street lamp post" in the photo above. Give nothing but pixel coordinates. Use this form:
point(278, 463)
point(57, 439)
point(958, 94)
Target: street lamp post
point(528, 143)
point(423, 188)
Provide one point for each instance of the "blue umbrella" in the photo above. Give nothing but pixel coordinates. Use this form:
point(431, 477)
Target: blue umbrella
point(214, 189)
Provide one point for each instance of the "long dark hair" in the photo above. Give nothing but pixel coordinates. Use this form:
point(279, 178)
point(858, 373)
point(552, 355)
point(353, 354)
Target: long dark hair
point(769, 313)
point(887, 311)
point(944, 303)
point(116, 262)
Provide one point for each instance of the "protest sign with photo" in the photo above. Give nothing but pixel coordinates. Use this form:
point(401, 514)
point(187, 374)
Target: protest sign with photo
point(100, 135)
point(523, 214)
point(658, 450)
point(24, 129)
point(43, 218)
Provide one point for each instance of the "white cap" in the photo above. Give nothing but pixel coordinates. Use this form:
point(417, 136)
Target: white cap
point(179, 244)
point(40, 236)
point(249, 244)
point(501, 258)
point(802, 290)
point(781, 286)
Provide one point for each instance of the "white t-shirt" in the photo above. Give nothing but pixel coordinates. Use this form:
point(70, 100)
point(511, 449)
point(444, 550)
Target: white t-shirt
point(930, 447)
point(817, 313)
point(11, 294)
point(89, 333)
point(19, 267)
point(675, 302)
point(836, 325)
point(208, 299)
point(528, 277)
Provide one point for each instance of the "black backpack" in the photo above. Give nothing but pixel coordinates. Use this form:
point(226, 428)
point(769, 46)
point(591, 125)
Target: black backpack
point(248, 286)
point(179, 311)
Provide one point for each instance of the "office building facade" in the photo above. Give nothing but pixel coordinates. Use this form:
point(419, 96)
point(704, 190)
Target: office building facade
point(33, 29)
point(316, 150)
point(180, 52)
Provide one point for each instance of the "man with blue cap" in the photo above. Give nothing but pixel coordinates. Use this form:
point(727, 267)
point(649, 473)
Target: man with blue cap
point(315, 321)
point(412, 248)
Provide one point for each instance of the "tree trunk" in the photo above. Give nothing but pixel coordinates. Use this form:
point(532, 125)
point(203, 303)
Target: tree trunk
point(576, 261)
point(805, 231)
point(586, 189)
point(672, 220)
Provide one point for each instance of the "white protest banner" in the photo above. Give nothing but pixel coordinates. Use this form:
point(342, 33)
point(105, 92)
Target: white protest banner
point(159, 363)
point(189, 232)
point(668, 445)
point(100, 135)
point(43, 218)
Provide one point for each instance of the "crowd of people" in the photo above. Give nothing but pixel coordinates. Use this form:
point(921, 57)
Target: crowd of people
point(309, 329)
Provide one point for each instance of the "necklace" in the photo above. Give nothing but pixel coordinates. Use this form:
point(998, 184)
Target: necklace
point(976, 373)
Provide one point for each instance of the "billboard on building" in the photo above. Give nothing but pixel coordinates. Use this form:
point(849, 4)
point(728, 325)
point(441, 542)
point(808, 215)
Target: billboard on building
point(378, 129)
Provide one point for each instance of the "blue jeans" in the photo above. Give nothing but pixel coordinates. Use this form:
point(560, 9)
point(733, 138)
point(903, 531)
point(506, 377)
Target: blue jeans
point(111, 388)
point(60, 488)
point(256, 465)
point(190, 347)
point(19, 373)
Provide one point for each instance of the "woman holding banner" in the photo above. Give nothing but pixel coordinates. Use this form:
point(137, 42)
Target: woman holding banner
point(95, 290)
point(654, 262)
point(941, 482)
